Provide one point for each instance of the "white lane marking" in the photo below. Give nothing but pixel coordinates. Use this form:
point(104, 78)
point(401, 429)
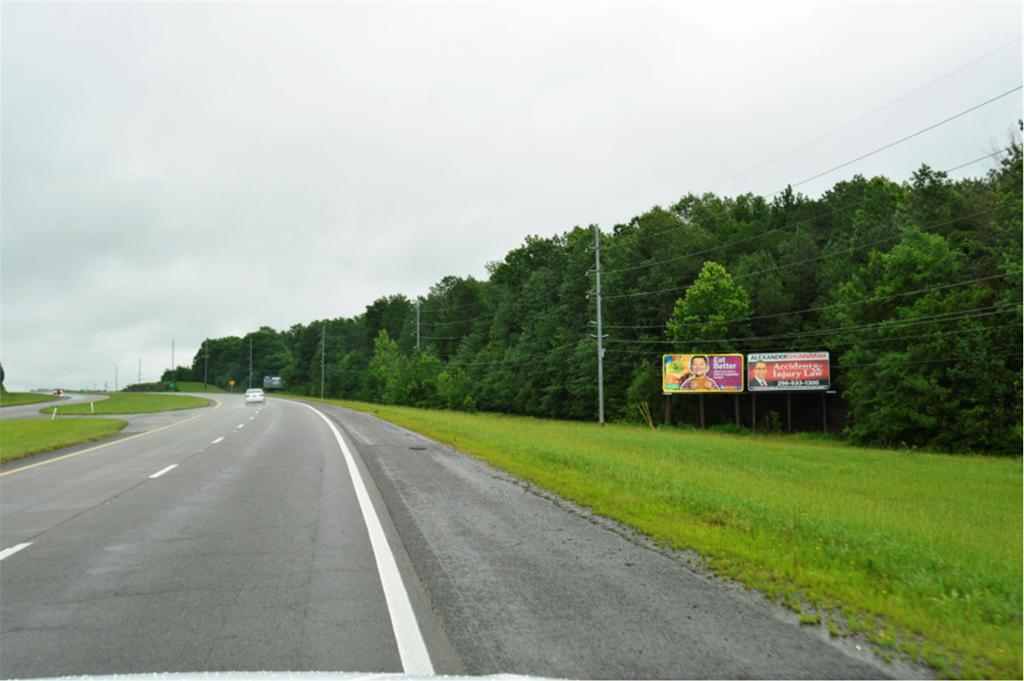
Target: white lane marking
point(22, 469)
point(13, 550)
point(240, 425)
point(217, 440)
point(251, 418)
point(162, 471)
point(411, 647)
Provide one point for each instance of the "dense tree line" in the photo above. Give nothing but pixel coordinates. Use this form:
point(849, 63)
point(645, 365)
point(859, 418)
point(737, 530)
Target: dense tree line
point(914, 287)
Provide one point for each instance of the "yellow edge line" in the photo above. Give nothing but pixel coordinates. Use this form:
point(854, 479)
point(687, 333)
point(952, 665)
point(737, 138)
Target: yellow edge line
point(107, 444)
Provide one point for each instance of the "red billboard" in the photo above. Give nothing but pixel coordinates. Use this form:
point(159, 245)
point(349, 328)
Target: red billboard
point(784, 371)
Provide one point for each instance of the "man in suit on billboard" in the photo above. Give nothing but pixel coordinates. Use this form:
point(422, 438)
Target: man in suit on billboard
point(760, 379)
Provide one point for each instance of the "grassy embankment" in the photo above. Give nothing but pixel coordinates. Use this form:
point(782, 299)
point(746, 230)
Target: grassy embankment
point(131, 403)
point(197, 387)
point(22, 437)
point(14, 399)
point(918, 552)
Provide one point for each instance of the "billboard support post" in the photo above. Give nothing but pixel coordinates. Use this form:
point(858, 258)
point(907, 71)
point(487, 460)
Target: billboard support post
point(736, 399)
point(789, 412)
point(703, 425)
point(668, 410)
point(824, 415)
point(753, 412)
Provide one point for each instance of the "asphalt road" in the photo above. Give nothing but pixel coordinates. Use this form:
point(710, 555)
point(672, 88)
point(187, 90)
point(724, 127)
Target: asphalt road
point(28, 411)
point(262, 551)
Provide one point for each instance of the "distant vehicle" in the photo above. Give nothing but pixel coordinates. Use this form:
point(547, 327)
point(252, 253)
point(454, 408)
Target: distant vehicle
point(255, 396)
point(59, 392)
point(271, 383)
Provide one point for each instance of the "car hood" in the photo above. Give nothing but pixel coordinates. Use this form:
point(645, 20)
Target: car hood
point(284, 676)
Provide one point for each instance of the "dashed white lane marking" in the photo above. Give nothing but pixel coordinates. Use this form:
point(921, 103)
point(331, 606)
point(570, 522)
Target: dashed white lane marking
point(411, 647)
point(251, 418)
point(240, 425)
point(216, 441)
point(22, 469)
point(162, 471)
point(13, 550)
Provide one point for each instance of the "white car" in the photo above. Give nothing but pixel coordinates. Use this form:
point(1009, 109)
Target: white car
point(255, 396)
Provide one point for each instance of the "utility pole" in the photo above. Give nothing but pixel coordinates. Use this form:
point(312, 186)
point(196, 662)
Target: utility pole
point(417, 322)
point(140, 370)
point(115, 379)
point(206, 361)
point(323, 351)
point(250, 361)
point(600, 337)
point(173, 372)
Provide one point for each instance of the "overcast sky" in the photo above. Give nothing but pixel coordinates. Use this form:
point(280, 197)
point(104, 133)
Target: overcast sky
point(191, 170)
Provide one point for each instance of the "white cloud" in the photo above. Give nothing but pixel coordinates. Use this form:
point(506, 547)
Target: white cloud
point(183, 170)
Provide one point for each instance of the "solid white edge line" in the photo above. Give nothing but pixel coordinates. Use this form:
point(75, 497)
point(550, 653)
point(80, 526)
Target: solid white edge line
point(411, 647)
point(13, 550)
point(217, 440)
point(162, 471)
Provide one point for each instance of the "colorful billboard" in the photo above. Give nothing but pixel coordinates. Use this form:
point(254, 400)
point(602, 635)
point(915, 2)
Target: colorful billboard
point(784, 371)
point(702, 373)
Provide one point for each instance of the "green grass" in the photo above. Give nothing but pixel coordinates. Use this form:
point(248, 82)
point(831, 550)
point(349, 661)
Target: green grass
point(132, 403)
point(197, 387)
point(22, 437)
point(13, 399)
point(921, 553)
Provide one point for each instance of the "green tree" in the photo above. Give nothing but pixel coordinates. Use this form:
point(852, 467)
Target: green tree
point(713, 309)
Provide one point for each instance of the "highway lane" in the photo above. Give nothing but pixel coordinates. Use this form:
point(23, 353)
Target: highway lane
point(249, 554)
point(252, 554)
point(524, 582)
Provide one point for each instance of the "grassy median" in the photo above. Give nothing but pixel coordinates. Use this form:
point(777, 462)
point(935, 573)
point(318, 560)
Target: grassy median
point(22, 437)
point(14, 399)
point(920, 553)
point(131, 403)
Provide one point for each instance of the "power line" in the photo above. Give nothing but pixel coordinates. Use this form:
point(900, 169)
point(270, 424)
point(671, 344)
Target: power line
point(891, 323)
point(561, 306)
point(903, 139)
point(808, 260)
point(830, 306)
point(922, 361)
point(544, 353)
point(864, 117)
point(787, 226)
point(871, 341)
point(980, 158)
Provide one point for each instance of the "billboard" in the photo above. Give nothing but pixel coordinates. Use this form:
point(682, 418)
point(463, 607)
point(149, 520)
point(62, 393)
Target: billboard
point(784, 371)
point(273, 383)
point(702, 373)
